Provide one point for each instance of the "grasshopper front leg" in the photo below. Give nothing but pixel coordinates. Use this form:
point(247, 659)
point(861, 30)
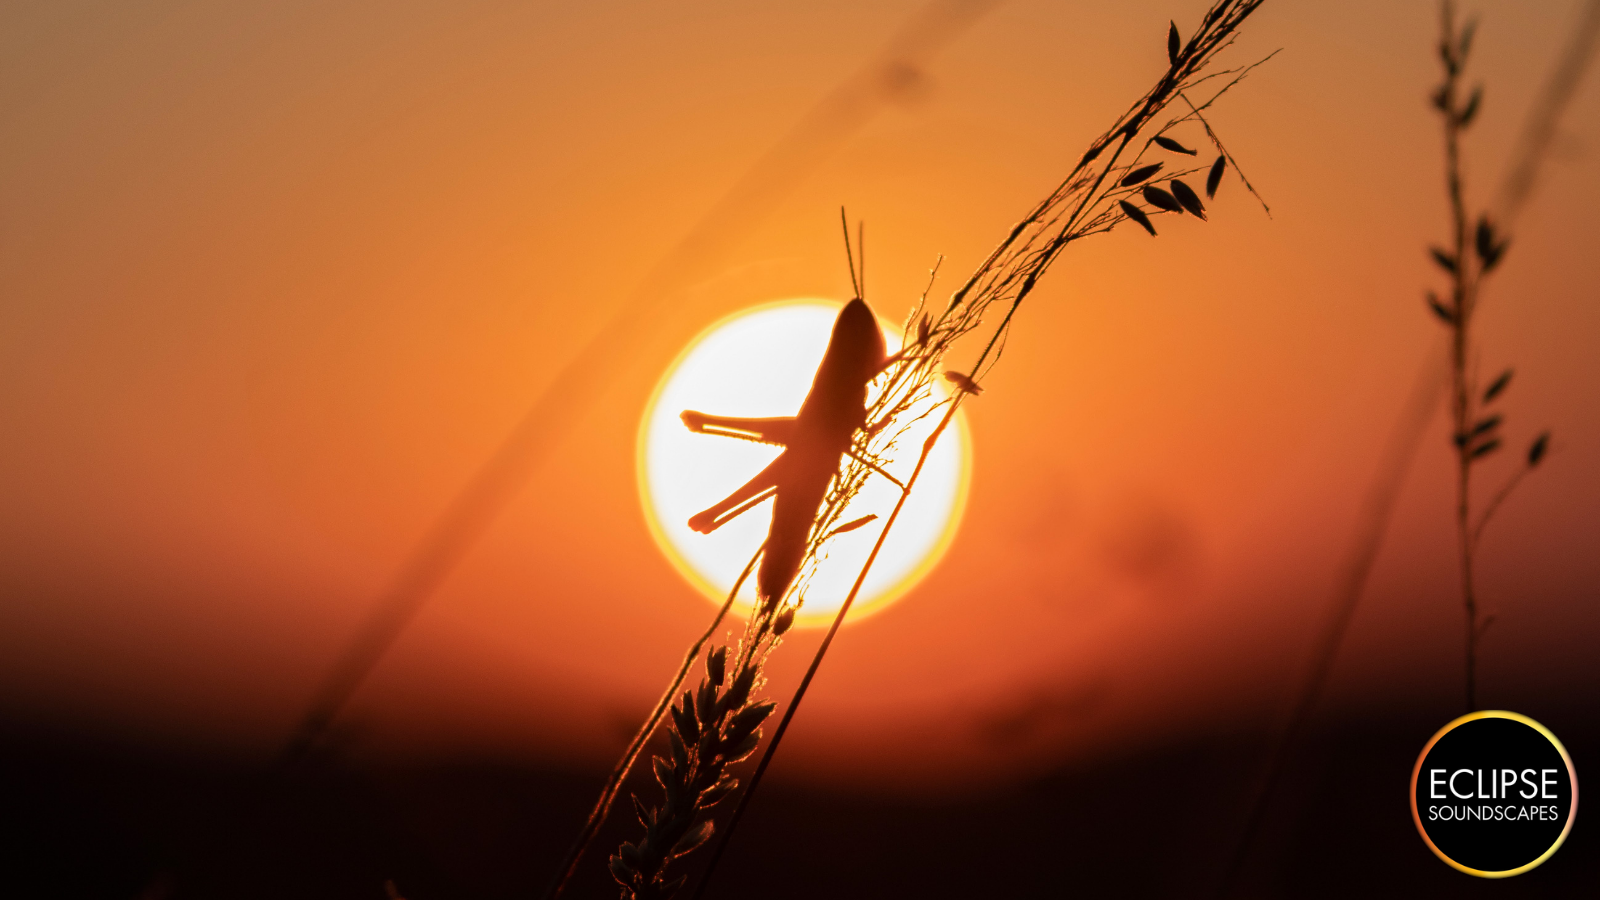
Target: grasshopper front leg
point(777, 430)
point(741, 500)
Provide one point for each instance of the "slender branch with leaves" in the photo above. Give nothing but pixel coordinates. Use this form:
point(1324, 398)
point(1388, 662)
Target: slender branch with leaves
point(1474, 251)
point(1138, 170)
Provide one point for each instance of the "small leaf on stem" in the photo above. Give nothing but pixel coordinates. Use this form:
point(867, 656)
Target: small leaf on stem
point(631, 855)
point(716, 665)
point(1439, 309)
point(1173, 43)
point(706, 703)
point(1483, 238)
point(694, 838)
point(853, 524)
point(716, 792)
point(962, 382)
point(1537, 451)
point(692, 732)
point(785, 619)
point(1497, 386)
point(1140, 174)
point(1486, 425)
point(1468, 112)
point(1214, 177)
point(1189, 199)
point(683, 717)
point(745, 720)
point(1137, 214)
point(680, 753)
point(739, 691)
point(743, 748)
point(1445, 260)
point(1485, 449)
point(1167, 143)
point(1160, 199)
point(1492, 258)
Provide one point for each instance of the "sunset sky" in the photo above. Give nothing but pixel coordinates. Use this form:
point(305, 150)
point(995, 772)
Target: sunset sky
point(277, 279)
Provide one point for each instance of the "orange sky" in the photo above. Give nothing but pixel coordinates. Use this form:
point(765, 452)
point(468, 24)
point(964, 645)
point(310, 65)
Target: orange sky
point(277, 278)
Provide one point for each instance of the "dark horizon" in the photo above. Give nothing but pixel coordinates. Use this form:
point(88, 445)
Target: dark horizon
point(97, 817)
point(314, 311)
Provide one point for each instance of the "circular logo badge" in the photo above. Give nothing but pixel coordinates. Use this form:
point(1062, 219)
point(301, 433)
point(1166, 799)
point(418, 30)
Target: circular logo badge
point(1494, 793)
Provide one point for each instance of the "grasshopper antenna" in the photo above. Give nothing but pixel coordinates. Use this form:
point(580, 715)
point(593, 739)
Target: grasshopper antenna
point(844, 223)
point(861, 252)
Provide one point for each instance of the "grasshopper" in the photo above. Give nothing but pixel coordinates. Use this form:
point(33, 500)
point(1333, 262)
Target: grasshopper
point(814, 440)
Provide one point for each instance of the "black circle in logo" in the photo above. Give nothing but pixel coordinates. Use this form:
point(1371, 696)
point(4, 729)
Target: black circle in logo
point(1494, 793)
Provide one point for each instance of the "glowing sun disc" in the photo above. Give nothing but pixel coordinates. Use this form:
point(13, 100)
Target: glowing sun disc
point(760, 362)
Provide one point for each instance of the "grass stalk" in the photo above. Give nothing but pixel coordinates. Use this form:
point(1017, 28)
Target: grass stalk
point(717, 725)
point(1026, 269)
point(1462, 293)
point(1406, 436)
point(1474, 252)
point(619, 773)
point(822, 650)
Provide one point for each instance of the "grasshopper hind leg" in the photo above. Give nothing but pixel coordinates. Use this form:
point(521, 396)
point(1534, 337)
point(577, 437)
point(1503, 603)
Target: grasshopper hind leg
point(742, 499)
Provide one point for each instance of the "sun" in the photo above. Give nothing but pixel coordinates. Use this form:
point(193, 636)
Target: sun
point(760, 362)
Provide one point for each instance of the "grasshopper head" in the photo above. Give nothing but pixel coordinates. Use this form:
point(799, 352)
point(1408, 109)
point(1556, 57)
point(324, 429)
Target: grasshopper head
point(857, 343)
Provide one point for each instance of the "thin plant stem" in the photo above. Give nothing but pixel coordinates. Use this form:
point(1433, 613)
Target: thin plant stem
point(619, 774)
point(850, 260)
point(1494, 505)
point(822, 650)
point(1405, 437)
point(1544, 118)
point(1516, 187)
point(1462, 294)
point(1476, 438)
point(1005, 270)
point(719, 726)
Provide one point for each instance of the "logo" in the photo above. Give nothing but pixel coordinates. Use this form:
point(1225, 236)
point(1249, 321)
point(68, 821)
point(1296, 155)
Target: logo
point(1493, 794)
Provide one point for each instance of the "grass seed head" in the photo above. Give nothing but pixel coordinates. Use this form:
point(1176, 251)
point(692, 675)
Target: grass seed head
point(1167, 143)
point(1137, 215)
point(1498, 386)
point(1160, 199)
point(1139, 175)
point(1537, 451)
point(1214, 177)
point(1189, 199)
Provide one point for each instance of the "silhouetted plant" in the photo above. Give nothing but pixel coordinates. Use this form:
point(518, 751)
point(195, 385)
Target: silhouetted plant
point(715, 726)
point(1405, 437)
point(1096, 196)
point(1476, 249)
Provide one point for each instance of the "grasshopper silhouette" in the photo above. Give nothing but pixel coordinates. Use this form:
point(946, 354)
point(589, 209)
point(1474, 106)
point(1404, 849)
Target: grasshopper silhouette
point(813, 442)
